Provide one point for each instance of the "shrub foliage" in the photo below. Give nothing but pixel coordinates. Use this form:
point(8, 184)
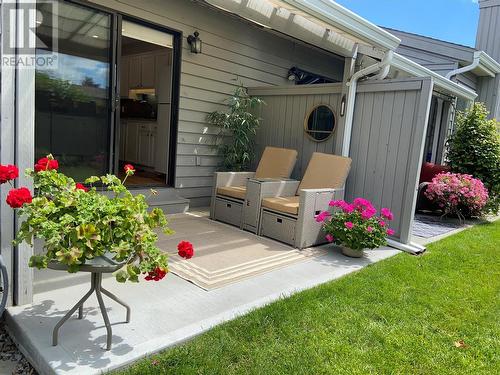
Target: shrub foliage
point(458, 194)
point(474, 149)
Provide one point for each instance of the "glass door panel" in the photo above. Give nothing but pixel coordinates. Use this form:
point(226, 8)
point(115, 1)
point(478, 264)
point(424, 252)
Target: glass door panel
point(73, 103)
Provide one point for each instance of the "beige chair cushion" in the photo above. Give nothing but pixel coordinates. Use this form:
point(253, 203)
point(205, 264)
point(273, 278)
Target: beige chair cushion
point(276, 163)
point(325, 171)
point(237, 192)
point(289, 205)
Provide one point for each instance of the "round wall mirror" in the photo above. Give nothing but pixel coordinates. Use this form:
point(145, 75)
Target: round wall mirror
point(320, 123)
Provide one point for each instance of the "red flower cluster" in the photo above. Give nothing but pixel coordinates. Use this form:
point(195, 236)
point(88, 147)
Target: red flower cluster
point(17, 197)
point(8, 173)
point(185, 249)
point(156, 275)
point(46, 164)
point(80, 186)
point(129, 168)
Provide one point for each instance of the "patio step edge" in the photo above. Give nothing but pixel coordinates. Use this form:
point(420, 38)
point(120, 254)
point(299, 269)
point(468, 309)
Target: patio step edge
point(25, 346)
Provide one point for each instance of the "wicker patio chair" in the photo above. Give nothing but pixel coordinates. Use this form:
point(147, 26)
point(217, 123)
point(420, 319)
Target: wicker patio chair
point(291, 218)
point(229, 196)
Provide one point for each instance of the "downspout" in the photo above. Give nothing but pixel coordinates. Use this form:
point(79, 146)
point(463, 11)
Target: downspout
point(382, 68)
point(412, 248)
point(468, 68)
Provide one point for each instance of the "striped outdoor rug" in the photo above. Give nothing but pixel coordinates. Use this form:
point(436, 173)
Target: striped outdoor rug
point(225, 254)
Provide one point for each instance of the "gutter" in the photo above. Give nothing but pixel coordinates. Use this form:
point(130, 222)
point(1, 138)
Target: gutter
point(468, 68)
point(454, 89)
point(486, 64)
point(382, 68)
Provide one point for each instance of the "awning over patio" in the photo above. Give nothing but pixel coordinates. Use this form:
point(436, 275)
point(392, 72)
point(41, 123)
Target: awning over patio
point(322, 23)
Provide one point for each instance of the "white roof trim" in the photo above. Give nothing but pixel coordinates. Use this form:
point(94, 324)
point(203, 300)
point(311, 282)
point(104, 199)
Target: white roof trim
point(487, 65)
point(322, 23)
point(402, 63)
point(342, 18)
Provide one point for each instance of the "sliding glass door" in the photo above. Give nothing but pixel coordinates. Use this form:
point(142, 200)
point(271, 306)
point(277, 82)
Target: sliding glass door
point(73, 102)
point(114, 88)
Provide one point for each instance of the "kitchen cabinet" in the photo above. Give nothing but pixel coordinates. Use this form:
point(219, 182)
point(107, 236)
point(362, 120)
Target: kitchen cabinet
point(139, 142)
point(131, 141)
point(151, 70)
point(146, 145)
point(141, 71)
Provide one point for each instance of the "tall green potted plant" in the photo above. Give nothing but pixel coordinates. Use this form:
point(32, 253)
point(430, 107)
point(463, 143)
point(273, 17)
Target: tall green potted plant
point(241, 124)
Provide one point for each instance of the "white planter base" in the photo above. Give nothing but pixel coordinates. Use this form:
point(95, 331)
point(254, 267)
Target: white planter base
point(352, 253)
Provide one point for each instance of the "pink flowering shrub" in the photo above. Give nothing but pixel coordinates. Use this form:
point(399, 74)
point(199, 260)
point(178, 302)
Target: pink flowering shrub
point(356, 225)
point(459, 194)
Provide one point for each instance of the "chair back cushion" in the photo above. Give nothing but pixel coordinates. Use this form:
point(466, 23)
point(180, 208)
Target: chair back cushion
point(276, 163)
point(326, 171)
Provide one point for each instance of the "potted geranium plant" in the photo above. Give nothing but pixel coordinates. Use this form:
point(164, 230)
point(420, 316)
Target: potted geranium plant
point(78, 223)
point(356, 226)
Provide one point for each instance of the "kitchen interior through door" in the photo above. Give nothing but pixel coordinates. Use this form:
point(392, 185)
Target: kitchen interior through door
point(144, 118)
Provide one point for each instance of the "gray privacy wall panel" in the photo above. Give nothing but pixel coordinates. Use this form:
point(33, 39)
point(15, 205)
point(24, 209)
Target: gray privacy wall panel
point(390, 122)
point(283, 118)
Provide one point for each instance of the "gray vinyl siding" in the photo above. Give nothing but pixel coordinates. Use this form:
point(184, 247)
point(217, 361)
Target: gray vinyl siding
point(390, 122)
point(468, 79)
point(441, 68)
point(434, 50)
point(488, 40)
point(234, 51)
point(423, 57)
point(437, 55)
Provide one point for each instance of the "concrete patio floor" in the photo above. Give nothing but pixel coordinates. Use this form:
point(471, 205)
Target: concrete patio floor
point(163, 314)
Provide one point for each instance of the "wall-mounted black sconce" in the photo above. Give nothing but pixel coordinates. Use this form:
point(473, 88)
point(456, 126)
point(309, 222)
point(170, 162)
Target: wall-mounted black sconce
point(195, 42)
point(342, 106)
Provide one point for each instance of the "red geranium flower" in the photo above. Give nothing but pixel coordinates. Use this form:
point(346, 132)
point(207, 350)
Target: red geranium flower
point(129, 168)
point(185, 249)
point(46, 164)
point(17, 197)
point(8, 172)
point(80, 186)
point(157, 274)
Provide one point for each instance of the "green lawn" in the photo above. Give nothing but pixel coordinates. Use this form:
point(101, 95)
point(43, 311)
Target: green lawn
point(400, 316)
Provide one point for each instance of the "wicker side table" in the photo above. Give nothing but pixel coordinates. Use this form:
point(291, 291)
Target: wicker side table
point(96, 267)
